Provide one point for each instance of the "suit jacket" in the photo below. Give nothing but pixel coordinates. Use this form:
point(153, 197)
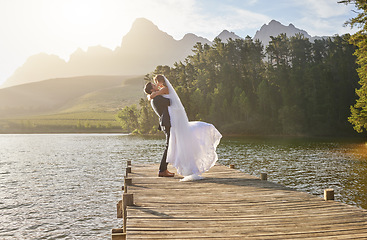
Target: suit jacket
point(160, 105)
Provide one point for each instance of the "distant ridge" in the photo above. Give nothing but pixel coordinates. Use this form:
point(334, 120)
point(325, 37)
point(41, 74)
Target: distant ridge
point(274, 28)
point(143, 48)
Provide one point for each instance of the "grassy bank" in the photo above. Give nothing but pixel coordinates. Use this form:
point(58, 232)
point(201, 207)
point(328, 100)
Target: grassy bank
point(81, 122)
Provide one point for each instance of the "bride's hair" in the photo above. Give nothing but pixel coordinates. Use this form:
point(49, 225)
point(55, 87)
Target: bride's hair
point(160, 78)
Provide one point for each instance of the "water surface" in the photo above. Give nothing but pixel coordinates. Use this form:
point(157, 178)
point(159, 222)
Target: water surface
point(66, 186)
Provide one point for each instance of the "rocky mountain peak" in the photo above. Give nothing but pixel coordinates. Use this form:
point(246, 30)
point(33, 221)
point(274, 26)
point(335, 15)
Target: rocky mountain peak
point(274, 28)
point(225, 35)
point(142, 30)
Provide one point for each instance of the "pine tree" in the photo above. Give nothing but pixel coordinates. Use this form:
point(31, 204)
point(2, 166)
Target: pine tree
point(359, 111)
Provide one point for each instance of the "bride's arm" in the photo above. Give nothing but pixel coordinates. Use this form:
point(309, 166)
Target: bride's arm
point(160, 92)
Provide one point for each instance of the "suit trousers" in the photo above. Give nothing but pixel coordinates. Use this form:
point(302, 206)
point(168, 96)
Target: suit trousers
point(163, 166)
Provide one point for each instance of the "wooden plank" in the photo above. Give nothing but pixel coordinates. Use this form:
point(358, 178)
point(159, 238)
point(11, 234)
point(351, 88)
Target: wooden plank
point(229, 204)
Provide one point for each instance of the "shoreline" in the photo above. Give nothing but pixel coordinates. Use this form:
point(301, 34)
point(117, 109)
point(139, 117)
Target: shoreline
point(159, 134)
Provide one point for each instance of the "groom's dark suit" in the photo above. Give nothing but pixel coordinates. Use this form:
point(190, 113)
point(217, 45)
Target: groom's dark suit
point(160, 105)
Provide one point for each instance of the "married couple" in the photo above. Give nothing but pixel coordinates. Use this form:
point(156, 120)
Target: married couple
point(190, 146)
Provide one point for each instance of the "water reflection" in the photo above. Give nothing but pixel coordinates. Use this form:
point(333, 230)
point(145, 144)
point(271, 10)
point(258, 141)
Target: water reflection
point(310, 165)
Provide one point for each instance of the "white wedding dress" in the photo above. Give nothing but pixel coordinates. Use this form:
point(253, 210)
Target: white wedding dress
point(192, 145)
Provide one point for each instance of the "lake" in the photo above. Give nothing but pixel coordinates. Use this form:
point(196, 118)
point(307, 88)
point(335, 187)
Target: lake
point(66, 186)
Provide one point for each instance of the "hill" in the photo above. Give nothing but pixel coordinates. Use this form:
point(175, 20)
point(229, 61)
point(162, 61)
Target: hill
point(78, 94)
point(110, 99)
point(79, 104)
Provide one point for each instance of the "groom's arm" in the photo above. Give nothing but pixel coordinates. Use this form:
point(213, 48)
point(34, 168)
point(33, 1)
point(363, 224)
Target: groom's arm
point(163, 101)
point(167, 101)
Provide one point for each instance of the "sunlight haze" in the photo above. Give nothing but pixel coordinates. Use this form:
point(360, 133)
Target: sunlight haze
point(60, 27)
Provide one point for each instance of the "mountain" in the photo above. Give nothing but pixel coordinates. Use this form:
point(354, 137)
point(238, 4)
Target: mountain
point(225, 35)
point(97, 60)
point(274, 28)
point(38, 67)
point(143, 48)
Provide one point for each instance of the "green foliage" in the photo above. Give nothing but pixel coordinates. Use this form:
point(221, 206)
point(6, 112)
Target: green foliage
point(138, 121)
point(295, 87)
point(128, 118)
point(147, 118)
point(358, 111)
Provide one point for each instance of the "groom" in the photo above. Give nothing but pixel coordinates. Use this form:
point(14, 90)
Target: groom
point(160, 105)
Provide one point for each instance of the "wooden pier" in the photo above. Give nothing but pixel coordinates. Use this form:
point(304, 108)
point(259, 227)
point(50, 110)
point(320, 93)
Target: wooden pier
point(229, 204)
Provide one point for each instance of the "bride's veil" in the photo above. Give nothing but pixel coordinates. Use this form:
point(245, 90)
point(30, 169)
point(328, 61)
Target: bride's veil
point(181, 146)
point(178, 116)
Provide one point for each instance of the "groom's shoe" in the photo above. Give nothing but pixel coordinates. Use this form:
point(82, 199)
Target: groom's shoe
point(166, 173)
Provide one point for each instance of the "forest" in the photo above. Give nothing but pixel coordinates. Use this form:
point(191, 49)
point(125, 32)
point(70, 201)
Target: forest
point(292, 87)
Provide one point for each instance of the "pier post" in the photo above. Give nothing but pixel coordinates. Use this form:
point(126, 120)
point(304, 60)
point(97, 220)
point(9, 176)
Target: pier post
point(124, 218)
point(329, 194)
point(128, 199)
point(231, 166)
point(128, 181)
point(124, 188)
point(119, 209)
point(118, 234)
point(264, 176)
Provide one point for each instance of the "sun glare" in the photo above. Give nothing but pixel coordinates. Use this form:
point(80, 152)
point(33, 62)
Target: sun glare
point(81, 13)
point(74, 21)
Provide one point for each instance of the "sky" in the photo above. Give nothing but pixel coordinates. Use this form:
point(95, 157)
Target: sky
point(60, 27)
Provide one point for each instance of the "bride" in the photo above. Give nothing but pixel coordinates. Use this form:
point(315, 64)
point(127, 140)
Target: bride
point(192, 145)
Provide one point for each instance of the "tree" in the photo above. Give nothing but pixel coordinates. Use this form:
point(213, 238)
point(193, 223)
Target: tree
point(128, 118)
point(147, 118)
point(302, 88)
point(358, 115)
